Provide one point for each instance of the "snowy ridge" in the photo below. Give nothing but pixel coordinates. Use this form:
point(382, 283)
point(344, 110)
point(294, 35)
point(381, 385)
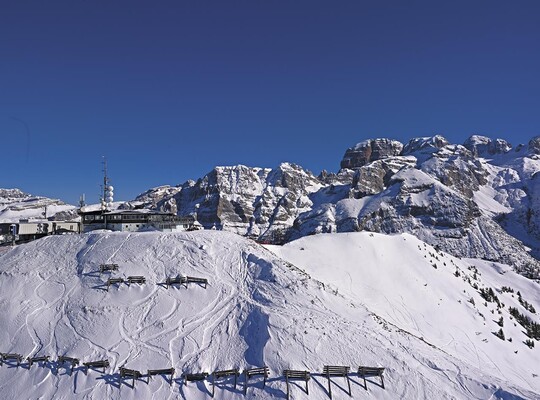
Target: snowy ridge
point(315, 304)
point(16, 205)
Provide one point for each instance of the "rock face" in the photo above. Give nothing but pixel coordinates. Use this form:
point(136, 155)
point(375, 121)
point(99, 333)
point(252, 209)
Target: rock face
point(258, 202)
point(534, 145)
point(370, 150)
point(374, 177)
point(482, 146)
point(428, 144)
point(480, 199)
point(457, 168)
point(424, 147)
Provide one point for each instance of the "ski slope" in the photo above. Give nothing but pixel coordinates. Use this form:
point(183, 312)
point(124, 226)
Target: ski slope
point(342, 299)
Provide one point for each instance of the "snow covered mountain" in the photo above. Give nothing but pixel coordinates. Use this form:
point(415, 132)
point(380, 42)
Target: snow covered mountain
point(443, 327)
point(475, 200)
point(16, 205)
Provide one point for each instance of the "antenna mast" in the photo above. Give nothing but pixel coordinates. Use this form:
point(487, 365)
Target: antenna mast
point(107, 189)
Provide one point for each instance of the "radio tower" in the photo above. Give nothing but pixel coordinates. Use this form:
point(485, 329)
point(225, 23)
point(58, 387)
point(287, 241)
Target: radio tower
point(107, 194)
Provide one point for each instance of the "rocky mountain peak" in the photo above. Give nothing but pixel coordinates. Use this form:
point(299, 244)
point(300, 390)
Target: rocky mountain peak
point(482, 146)
point(370, 150)
point(425, 145)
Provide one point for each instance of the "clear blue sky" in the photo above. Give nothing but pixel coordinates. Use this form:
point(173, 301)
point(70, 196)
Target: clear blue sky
point(166, 90)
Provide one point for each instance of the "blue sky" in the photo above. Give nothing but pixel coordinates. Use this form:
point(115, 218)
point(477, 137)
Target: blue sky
point(166, 90)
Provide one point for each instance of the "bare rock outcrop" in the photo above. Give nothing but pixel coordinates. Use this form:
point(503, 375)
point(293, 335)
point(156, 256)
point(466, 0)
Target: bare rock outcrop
point(370, 150)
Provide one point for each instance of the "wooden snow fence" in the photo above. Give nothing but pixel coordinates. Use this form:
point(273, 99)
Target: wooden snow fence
point(108, 267)
point(129, 374)
point(371, 371)
point(184, 280)
point(73, 361)
point(113, 281)
point(200, 281)
point(11, 356)
point(164, 371)
point(96, 364)
point(336, 370)
point(248, 373)
point(176, 280)
point(224, 374)
point(295, 374)
point(136, 279)
point(200, 376)
point(33, 360)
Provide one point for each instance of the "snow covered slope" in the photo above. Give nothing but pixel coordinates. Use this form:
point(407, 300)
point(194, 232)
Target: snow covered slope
point(342, 299)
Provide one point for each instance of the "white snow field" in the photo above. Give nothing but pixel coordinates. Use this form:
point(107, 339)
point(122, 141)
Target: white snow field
point(334, 299)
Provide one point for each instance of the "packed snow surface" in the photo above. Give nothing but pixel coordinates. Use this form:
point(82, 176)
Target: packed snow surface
point(335, 299)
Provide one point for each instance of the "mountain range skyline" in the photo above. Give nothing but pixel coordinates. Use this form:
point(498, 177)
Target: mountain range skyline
point(92, 194)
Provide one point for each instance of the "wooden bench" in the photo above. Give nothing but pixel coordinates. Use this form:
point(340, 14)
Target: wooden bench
point(136, 279)
point(371, 371)
point(295, 374)
point(96, 364)
point(73, 361)
point(108, 267)
point(164, 371)
point(226, 373)
point(11, 356)
point(248, 373)
point(200, 376)
point(200, 281)
point(113, 281)
point(32, 360)
point(336, 370)
point(129, 373)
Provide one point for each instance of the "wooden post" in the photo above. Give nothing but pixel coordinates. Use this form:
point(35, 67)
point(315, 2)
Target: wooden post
point(287, 380)
point(329, 385)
